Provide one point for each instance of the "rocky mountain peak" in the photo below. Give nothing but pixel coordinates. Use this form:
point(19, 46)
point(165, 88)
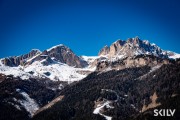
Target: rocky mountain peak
point(104, 50)
point(129, 40)
point(146, 42)
point(60, 46)
point(58, 53)
point(136, 40)
point(112, 50)
point(64, 54)
point(20, 60)
point(132, 47)
point(35, 50)
point(119, 43)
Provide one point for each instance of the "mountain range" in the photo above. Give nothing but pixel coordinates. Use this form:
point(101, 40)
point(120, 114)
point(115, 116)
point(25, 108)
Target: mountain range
point(126, 80)
point(61, 59)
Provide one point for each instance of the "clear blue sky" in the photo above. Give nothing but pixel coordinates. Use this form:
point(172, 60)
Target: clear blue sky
point(86, 26)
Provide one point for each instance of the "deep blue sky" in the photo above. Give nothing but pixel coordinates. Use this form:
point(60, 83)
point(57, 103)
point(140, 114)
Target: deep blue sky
point(86, 26)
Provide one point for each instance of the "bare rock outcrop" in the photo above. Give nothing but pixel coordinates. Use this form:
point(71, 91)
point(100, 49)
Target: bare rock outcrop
point(131, 47)
point(59, 53)
point(129, 62)
point(19, 60)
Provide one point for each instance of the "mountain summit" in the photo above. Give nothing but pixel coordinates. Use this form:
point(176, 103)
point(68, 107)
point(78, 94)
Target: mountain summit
point(133, 47)
point(61, 63)
point(63, 54)
point(59, 53)
point(58, 63)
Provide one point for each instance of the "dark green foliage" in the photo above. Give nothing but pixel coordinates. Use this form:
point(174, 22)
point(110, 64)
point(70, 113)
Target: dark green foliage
point(172, 103)
point(79, 99)
point(39, 90)
point(9, 112)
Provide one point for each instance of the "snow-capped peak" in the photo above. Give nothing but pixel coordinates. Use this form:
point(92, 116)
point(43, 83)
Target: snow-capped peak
point(56, 64)
point(60, 63)
point(153, 44)
point(60, 45)
point(36, 50)
point(146, 42)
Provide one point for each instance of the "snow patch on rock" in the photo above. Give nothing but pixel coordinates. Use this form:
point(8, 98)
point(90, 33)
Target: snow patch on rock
point(28, 103)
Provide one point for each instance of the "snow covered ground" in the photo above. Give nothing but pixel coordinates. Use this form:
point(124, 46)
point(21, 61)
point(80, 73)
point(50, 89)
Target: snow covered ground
point(15, 71)
point(28, 103)
point(58, 71)
point(175, 56)
point(108, 104)
point(100, 107)
point(105, 103)
point(55, 71)
point(89, 58)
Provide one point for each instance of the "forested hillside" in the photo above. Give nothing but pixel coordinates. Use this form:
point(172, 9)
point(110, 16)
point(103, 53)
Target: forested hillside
point(127, 91)
point(20, 98)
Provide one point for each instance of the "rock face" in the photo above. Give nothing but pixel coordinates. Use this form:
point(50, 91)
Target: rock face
point(131, 47)
point(64, 54)
point(130, 62)
point(116, 47)
point(104, 50)
point(20, 60)
point(117, 50)
point(59, 53)
point(132, 53)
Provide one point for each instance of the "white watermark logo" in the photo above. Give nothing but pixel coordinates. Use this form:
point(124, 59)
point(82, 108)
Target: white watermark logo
point(164, 112)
